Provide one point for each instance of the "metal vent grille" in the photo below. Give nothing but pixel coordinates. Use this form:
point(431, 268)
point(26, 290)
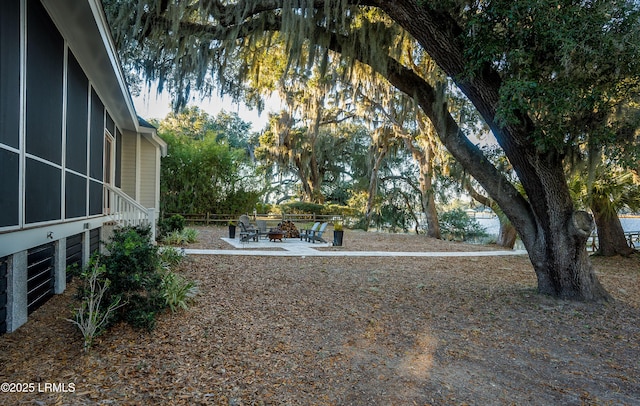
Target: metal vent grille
point(40, 276)
point(74, 253)
point(94, 241)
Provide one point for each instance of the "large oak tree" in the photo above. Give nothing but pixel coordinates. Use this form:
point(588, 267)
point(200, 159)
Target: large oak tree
point(544, 75)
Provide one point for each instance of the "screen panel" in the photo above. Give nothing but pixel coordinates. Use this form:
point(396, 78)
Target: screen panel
point(75, 196)
point(95, 198)
point(110, 125)
point(45, 59)
point(10, 72)
point(97, 136)
point(77, 116)
point(42, 192)
point(9, 197)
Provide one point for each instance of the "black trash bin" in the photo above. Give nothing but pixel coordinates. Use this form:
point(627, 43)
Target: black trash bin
point(337, 238)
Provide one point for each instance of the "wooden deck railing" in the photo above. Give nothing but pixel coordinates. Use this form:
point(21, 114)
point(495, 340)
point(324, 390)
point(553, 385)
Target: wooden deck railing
point(125, 211)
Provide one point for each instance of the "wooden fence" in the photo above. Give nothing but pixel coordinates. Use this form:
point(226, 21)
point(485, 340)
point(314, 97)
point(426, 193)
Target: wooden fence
point(224, 219)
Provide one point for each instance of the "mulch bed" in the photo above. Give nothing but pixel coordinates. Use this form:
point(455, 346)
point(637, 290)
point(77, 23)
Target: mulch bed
point(349, 331)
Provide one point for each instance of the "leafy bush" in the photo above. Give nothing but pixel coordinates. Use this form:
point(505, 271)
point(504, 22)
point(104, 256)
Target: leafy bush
point(457, 225)
point(188, 235)
point(315, 208)
point(337, 209)
point(302, 208)
point(132, 282)
point(263, 207)
point(132, 265)
point(177, 291)
point(220, 178)
point(170, 257)
point(143, 309)
point(132, 260)
point(171, 224)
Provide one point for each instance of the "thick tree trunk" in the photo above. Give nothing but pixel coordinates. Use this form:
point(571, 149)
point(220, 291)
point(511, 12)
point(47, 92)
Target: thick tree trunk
point(555, 236)
point(433, 225)
point(507, 235)
point(562, 264)
point(611, 239)
point(424, 159)
point(373, 185)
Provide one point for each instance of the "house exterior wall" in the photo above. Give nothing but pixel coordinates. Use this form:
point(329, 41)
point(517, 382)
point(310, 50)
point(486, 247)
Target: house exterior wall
point(129, 159)
point(54, 118)
point(148, 175)
point(53, 125)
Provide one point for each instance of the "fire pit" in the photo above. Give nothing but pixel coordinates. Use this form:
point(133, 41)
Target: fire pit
point(275, 235)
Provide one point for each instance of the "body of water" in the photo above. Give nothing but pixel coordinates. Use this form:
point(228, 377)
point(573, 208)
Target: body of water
point(492, 225)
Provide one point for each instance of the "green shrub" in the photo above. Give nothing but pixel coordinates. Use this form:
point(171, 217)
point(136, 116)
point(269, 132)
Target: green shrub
point(132, 265)
point(144, 307)
point(457, 225)
point(263, 207)
point(188, 235)
point(130, 283)
point(302, 208)
point(340, 210)
point(177, 291)
point(170, 256)
point(173, 238)
point(171, 224)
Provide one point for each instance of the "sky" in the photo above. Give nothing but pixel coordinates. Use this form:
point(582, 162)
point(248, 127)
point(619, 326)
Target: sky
point(150, 105)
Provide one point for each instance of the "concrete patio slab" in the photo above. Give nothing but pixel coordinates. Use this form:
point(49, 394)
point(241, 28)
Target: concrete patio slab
point(287, 244)
point(293, 247)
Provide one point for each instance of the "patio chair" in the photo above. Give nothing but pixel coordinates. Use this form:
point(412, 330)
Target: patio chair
point(247, 234)
point(317, 235)
point(306, 232)
point(244, 219)
point(262, 228)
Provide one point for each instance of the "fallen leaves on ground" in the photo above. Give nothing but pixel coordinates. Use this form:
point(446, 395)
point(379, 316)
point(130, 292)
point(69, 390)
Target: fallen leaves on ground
point(348, 330)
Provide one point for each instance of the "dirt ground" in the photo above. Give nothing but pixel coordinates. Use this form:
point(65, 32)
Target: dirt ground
point(348, 331)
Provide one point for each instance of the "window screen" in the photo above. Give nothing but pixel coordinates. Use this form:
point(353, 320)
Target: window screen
point(77, 114)
point(45, 54)
point(95, 198)
point(10, 72)
point(42, 192)
point(75, 195)
point(9, 177)
point(97, 136)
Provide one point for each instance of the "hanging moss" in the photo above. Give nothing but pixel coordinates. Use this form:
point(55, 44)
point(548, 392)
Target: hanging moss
point(209, 46)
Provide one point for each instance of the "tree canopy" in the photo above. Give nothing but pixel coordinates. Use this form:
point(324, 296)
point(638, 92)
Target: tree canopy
point(544, 75)
point(203, 172)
